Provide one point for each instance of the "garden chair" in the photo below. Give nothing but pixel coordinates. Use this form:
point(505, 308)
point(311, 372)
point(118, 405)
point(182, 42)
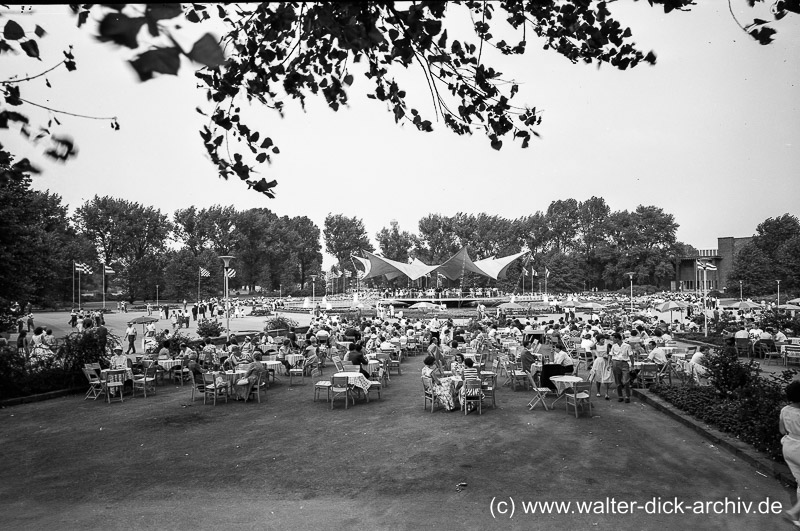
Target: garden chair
point(211, 388)
point(145, 380)
point(429, 395)
point(581, 396)
point(340, 386)
point(472, 394)
point(319, 385)
point(95, 384)
point(114, 383)
point(539, 393)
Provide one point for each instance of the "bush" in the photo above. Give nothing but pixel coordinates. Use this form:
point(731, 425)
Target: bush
point(739, 401)
point(61, 370)
point(279, 322)
point(209, 328)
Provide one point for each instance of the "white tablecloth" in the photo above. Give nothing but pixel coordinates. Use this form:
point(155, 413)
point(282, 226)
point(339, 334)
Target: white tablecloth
point(168, 364)
point(293, 358)
point(356, 379)
point(565, 382)
point(274, 365)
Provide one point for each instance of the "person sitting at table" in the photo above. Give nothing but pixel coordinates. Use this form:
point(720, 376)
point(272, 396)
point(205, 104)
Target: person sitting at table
point(563, 358)
point(779, 337)
point(697, 365)
point(527, 357)
point(457, 367)
point(358, 358)
point(443, 390)
point(310, 348)
point(119, 360)
point(245, 383)
point(657, 355)
point(587, 342)
point(237, 357)
point(195, 367)
point(470, 371)
point(284, 351)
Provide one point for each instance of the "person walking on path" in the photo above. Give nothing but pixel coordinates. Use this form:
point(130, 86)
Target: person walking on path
point(622, 357)
point(130, 335)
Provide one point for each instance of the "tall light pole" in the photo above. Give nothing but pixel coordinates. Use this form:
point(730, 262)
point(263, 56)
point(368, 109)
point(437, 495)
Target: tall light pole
point(779, 296)
point(226, 263)
point(156, 295)
point(631, 274)
point(313, 289)
point(740, 291)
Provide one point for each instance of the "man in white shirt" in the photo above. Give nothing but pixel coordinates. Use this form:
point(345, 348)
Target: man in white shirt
point(657, 354)
point(779, 336)
point(130, 336)
point(741, 333)
point(563, 358)
point(622, 358)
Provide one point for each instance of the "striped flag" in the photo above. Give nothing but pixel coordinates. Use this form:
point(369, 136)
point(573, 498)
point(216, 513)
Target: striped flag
point(83, 268)
point(546, 273)
point(708, 266)
point(347, 273)
point(525, 272)
point(230, 273)
point(108, 270)
point(204, 272)
point(534, 272)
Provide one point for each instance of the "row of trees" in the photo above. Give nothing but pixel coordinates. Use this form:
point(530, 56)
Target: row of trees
point(583, 244)
point(39, 242)
point(773, 254)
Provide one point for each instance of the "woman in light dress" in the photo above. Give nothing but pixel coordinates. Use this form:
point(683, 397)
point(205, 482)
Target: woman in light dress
point(601, 369)
point(443, 388)
point(790, 429)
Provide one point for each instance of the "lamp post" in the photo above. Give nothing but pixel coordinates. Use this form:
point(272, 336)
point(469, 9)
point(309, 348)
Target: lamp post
point(313, 289)
point(156, 295)
point(740, 291)
point(630, 274)
point(226, 263)
point(779, 296)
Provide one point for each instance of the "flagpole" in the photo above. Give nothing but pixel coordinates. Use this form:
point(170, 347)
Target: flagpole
point(79, 289)
point(104, 285)
point(198, 283)
point(73, 284)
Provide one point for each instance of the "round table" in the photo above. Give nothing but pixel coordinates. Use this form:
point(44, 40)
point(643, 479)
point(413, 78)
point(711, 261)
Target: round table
point(563, 383)
point(293, 358)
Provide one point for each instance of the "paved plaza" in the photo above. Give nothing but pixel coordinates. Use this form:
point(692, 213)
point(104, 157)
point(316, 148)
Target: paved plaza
point(292, 463)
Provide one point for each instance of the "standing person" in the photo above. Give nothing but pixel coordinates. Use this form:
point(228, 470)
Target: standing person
point(621, 356)
point(601, 371)
point(30, 323)
point(789, 427)
point(149, 309)
point(174, 319)
point(73, 318)
point(194, 312)
point(130, 335)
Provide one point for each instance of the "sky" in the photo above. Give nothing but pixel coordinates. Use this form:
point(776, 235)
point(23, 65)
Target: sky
point(711, 134)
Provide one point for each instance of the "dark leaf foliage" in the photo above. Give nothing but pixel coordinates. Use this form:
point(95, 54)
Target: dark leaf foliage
point(159, 60)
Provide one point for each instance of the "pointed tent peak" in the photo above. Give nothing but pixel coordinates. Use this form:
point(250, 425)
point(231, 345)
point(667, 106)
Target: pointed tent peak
point(458, 264)
point(497, 267)
point(393, 269)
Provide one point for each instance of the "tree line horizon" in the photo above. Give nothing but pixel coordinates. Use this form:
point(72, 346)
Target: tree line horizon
point(583, 244)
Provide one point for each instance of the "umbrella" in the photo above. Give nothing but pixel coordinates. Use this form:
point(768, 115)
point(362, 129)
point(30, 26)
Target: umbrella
point(793, 307)
point(511, 306)
point(568, 304)
point(395, 302)
point(744, 305)
point(144, 319)
point(795, 301)
point(671, 306)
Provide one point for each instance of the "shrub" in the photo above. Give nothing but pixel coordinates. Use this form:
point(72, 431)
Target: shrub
point(739, 401)
point(279, 322)
point(209, 328)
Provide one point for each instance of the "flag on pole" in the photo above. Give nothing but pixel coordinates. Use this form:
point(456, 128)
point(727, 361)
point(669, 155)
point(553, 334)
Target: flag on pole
point(534, 272)
point(708, 266)
point(347, 273)
point(204, 272)
point(230, 273)
point(546, 272)
point(83, 268)
point(108, 270)
point(525, 272)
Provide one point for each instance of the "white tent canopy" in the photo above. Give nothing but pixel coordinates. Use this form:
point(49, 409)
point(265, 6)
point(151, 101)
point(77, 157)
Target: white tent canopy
point(454, 268)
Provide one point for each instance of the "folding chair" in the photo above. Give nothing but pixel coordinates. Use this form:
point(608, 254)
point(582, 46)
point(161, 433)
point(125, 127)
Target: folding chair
point(472, 394)
point(95, 384)
point(582, 394)
point(539, 394)
point(319, 385)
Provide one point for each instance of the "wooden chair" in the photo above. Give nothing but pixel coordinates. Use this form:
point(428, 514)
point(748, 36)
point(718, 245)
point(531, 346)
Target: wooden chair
point(429, 395)
point(340, 386)
point(472, 394)
point(146, 380)
point(258, 388)
point(114, 383)
point(210, 387)
point(489, 386)
point(743, 347)
point(648, 375)
point(539, 393)
point(198, 386)
point(95, 384)
point(581, 396)
point(319, 385)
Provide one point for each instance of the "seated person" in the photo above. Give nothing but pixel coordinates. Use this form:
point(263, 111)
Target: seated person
point(563, 358)
point(237, 357)
point(196, 368)
point(284, 351)
point(457, 367)
point(470, 372)
point(780, 337)
point(444, 391)
point(657, 354)
point(697, 361)
point(528, 359)
point(358, 358)
point(587, 343)
point(209, 354)
point(245, 384)
point(119, 360)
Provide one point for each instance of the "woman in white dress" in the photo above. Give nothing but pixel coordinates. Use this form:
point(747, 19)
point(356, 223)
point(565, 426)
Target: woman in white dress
point(790, 428)
point(601, 369)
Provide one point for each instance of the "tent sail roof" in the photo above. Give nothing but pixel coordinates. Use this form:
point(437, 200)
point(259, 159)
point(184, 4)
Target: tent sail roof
point(497, 267)
point(453, 268)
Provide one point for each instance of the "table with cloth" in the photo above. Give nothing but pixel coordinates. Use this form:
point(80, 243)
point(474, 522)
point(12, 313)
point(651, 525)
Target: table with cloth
point(356, 380)
point(563, 383)
point(294, 358)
